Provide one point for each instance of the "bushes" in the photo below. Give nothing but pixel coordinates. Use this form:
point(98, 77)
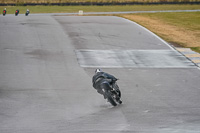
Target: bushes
point(95, 2)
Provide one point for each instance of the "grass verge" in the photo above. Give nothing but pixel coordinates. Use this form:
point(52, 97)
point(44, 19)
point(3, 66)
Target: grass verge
point(197, 49)
point(72, 9)
point(179, 29)
point(93, 1)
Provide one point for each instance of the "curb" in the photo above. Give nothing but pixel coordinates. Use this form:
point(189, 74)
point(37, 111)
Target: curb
point(191, 55)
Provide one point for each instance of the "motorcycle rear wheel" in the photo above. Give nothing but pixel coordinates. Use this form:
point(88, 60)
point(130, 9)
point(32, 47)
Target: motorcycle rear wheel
point(111, 98)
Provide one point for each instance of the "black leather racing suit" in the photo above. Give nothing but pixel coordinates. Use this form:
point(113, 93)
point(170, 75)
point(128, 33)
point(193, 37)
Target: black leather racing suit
point(102, 80)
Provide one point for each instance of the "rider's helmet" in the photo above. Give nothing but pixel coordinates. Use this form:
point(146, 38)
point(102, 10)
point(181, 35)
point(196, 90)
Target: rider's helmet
point(98, 70)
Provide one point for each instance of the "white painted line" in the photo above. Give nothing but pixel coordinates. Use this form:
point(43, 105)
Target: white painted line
point(151, 33)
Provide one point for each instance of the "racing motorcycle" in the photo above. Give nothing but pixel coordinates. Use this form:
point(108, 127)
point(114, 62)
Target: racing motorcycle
point(113, 95)
point(16, 12)
point(4, 12)
point(27, 12)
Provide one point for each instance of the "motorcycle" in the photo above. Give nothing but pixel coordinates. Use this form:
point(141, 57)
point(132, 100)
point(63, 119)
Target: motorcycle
point(4, 12)
point(113, 95)
point(27, 13)
point(16, 12)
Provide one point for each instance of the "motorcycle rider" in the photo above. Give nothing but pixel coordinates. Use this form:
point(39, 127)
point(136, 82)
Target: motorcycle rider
point(27, 12)
point(102, 80)
point(4, 12)
point(16, 12)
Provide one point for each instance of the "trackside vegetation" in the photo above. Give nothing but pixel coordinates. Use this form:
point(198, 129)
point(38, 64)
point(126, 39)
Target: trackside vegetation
point(111, 2)
point(75, 9)
point(181, 29)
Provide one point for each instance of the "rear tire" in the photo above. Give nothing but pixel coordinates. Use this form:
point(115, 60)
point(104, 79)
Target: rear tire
point(110, 98)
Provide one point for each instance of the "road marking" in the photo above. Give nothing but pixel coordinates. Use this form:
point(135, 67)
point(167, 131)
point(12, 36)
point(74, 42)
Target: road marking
point(132, 59)
point(127, 12)
point(196, 61)
point(183, 49)
point(151, 33)
point(192, 55)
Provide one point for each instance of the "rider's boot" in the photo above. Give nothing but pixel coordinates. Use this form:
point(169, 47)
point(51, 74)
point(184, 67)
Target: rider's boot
point(101, 92)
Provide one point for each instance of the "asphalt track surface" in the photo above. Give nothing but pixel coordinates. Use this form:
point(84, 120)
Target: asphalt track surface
point(46, 67)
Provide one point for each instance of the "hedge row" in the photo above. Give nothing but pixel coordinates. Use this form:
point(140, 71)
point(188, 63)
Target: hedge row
point(94, 2)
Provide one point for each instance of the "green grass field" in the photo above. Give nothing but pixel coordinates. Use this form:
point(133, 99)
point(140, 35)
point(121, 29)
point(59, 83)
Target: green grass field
point(178, 28)
point(97, 1)
point(188, 20)
point(72, 9)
